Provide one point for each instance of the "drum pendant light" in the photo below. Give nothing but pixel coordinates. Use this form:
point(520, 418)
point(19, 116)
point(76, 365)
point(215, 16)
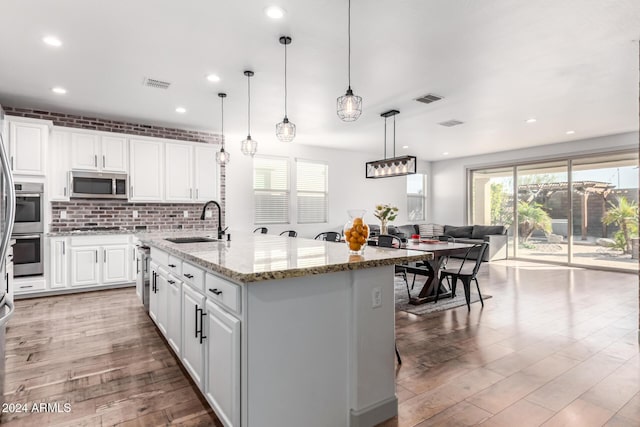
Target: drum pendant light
point(249, 146)
point(285, 130)
point(222, 157)
point(349, 105)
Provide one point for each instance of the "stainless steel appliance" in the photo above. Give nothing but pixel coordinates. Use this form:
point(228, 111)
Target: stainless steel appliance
point(29, 208)
point(142, 281)
point(28, 255)
point(98, 185)
point(7, 211)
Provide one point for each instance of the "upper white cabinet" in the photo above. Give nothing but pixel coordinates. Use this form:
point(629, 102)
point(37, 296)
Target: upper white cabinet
point(179, 173)
point(58, 167)
point(98, 152)
point(146, 170)
point(206, 173)
point(28, 147)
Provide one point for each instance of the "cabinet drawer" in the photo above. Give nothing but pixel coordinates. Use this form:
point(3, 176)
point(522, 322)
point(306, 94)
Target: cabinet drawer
point(175, 266)
point(159, 256)
point(193, 276)
point(30, 286)
point(223, 292)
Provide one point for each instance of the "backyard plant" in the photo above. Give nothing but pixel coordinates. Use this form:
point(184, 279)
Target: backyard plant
point(532, 217)
point(625, 216)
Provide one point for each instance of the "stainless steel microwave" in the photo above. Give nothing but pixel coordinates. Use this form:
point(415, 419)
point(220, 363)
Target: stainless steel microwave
point(98, 185)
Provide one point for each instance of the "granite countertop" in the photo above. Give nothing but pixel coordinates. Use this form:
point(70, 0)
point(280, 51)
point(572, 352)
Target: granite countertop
point(107, 231)
point(258, 257)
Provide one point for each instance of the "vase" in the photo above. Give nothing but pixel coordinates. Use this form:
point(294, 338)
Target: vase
point(356, 232)
point(384, 228)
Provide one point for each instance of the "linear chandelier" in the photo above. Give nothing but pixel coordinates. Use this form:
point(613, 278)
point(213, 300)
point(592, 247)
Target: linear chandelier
point(394, 166)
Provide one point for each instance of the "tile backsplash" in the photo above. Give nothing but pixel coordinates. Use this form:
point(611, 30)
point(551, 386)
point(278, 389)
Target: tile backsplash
point(88, 213)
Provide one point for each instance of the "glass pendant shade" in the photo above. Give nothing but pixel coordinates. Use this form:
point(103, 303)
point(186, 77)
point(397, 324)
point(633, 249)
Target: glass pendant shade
point(222, 157)
point(285, 130)
point(249, 146)
point(349, 106)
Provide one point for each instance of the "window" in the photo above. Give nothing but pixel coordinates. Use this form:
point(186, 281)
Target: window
point(416, 197)
point(312, 191)
point(271, 190)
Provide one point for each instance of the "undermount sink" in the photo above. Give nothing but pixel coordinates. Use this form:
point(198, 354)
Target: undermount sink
point(195, 239)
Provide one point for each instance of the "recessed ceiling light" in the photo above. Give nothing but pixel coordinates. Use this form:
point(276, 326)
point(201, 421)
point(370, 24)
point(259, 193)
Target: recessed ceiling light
point(571, 132)
point(446, 153)
point(274, 12)
point(59, 90)
point(52, 41)
point(181, 110)
point(405, 146)
point(213, 78)
point(531, 120)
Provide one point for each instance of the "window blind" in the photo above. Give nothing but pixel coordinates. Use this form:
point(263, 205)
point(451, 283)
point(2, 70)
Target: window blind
point(271, 190)
point(312, 191)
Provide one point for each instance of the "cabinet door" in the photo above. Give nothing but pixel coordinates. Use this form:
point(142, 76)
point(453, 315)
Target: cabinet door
point(27, 144)
point(114, 153)
point(153, 293)
point(162, 289)
point(174, 314)
point(85, 151)
point(178, 173)
point(84, 266)
point(135, 264)
point(145, 170)
point(58, 263)
point(58, 167)
point(115, 260)
point(222, 386)
point(192, 347)
point(206, 173)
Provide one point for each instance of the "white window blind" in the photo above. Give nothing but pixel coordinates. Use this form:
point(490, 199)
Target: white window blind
point(312, 191)
point(416, 197)
point(271, 190)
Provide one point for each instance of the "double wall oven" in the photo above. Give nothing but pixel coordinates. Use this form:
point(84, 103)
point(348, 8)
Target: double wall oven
point(28, 252)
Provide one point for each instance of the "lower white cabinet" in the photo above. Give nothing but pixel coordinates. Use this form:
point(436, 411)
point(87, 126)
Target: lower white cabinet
point(160, 292)
point(153, 295)
point(222, 386)
point(193, 340)
point(174, 314)
point(84, 266)
point(115, 264)
point(59, 270)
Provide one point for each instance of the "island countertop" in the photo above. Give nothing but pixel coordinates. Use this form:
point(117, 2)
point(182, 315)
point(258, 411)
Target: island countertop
point(251, 257)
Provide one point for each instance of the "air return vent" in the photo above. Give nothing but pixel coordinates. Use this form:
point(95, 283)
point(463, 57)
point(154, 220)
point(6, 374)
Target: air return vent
point(429, 98)
point(156, 84)
point(451, 123)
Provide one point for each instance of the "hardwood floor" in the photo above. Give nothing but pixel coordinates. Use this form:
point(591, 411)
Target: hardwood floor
point(554, 346)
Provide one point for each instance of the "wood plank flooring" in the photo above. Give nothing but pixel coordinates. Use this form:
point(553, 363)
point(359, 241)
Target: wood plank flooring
point(554, 346)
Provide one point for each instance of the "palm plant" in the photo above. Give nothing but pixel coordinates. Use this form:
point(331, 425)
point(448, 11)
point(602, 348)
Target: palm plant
point(532, 217)
point(625, 216)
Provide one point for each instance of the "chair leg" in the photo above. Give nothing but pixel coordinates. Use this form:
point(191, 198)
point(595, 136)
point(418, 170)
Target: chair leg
point(398, 355)
point(438, 288)
point(453, 285)
point(479, 294)
point(466, 281)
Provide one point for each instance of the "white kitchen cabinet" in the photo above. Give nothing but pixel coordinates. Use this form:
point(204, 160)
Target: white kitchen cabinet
point(28, 147)
point(135, 263)
point(160, 292)
point(85, 266)
point(174, 314)
point(179, 173)
point(146, 171)
point(59, 263)
point(193, 342)
point(222, 385)
point(98, 152)
point(153, 295)
point(115, 263)
point(205, 173)
point(58, 167)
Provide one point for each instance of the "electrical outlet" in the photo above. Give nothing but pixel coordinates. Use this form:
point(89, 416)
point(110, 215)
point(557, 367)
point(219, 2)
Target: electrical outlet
point(186, 214)
point(63, 214)
point(135, 214)
point(208, 214)
point(376, 297)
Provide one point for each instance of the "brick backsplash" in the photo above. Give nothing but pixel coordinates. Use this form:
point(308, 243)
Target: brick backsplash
point(115, 213)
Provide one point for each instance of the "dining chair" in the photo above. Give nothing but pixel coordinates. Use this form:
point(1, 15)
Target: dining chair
point(466, 274)
point(329, 236)
point(289, 233)
point(261, 230)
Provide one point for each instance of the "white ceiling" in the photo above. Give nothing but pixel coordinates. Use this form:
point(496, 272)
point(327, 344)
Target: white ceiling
point(571, 64)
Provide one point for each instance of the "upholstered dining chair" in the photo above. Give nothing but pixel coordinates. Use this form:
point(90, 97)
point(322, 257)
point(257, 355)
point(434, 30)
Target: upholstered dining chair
point(466, 274)
point(261, 230)
point(289, 233)
point(329, 236)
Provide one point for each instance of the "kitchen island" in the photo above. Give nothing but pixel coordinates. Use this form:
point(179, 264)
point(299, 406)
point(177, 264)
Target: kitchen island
point(279, 331)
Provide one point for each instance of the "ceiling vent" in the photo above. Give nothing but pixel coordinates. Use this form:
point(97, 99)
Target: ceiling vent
point(451, 123)
point(429, 98)
point(156, 84)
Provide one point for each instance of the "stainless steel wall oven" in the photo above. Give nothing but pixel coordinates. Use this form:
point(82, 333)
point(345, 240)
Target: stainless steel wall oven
point(28, 252)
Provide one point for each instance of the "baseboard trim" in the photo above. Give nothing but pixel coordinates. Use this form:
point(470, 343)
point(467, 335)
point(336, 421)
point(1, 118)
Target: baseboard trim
point(65, 291)
point(374, 414)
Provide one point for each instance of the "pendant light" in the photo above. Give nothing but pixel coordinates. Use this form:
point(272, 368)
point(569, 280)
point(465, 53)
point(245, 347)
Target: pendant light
point(349, 105)
point(395, 166)
point(222, 157)
point(285, 130)
point(249, 146)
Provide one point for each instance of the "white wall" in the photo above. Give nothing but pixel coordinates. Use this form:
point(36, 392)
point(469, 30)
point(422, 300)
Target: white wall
point(448, 178)
point(348, 187)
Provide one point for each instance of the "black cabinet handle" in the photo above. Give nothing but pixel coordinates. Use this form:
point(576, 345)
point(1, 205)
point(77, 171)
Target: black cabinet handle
point(199, 331)
point(172, 265)
point(155, 286)
point(7, 282)
point(171, 281)
point(187, 275)
point(215, 291)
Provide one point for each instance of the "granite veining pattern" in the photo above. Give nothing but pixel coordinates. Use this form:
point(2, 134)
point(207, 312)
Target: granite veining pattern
point(251, 258)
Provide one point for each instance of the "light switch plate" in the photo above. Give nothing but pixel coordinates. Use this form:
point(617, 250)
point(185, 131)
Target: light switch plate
point(135, 214)
point(208, 214)
point(376, 297)
point(186, 214)
point(63, 214)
